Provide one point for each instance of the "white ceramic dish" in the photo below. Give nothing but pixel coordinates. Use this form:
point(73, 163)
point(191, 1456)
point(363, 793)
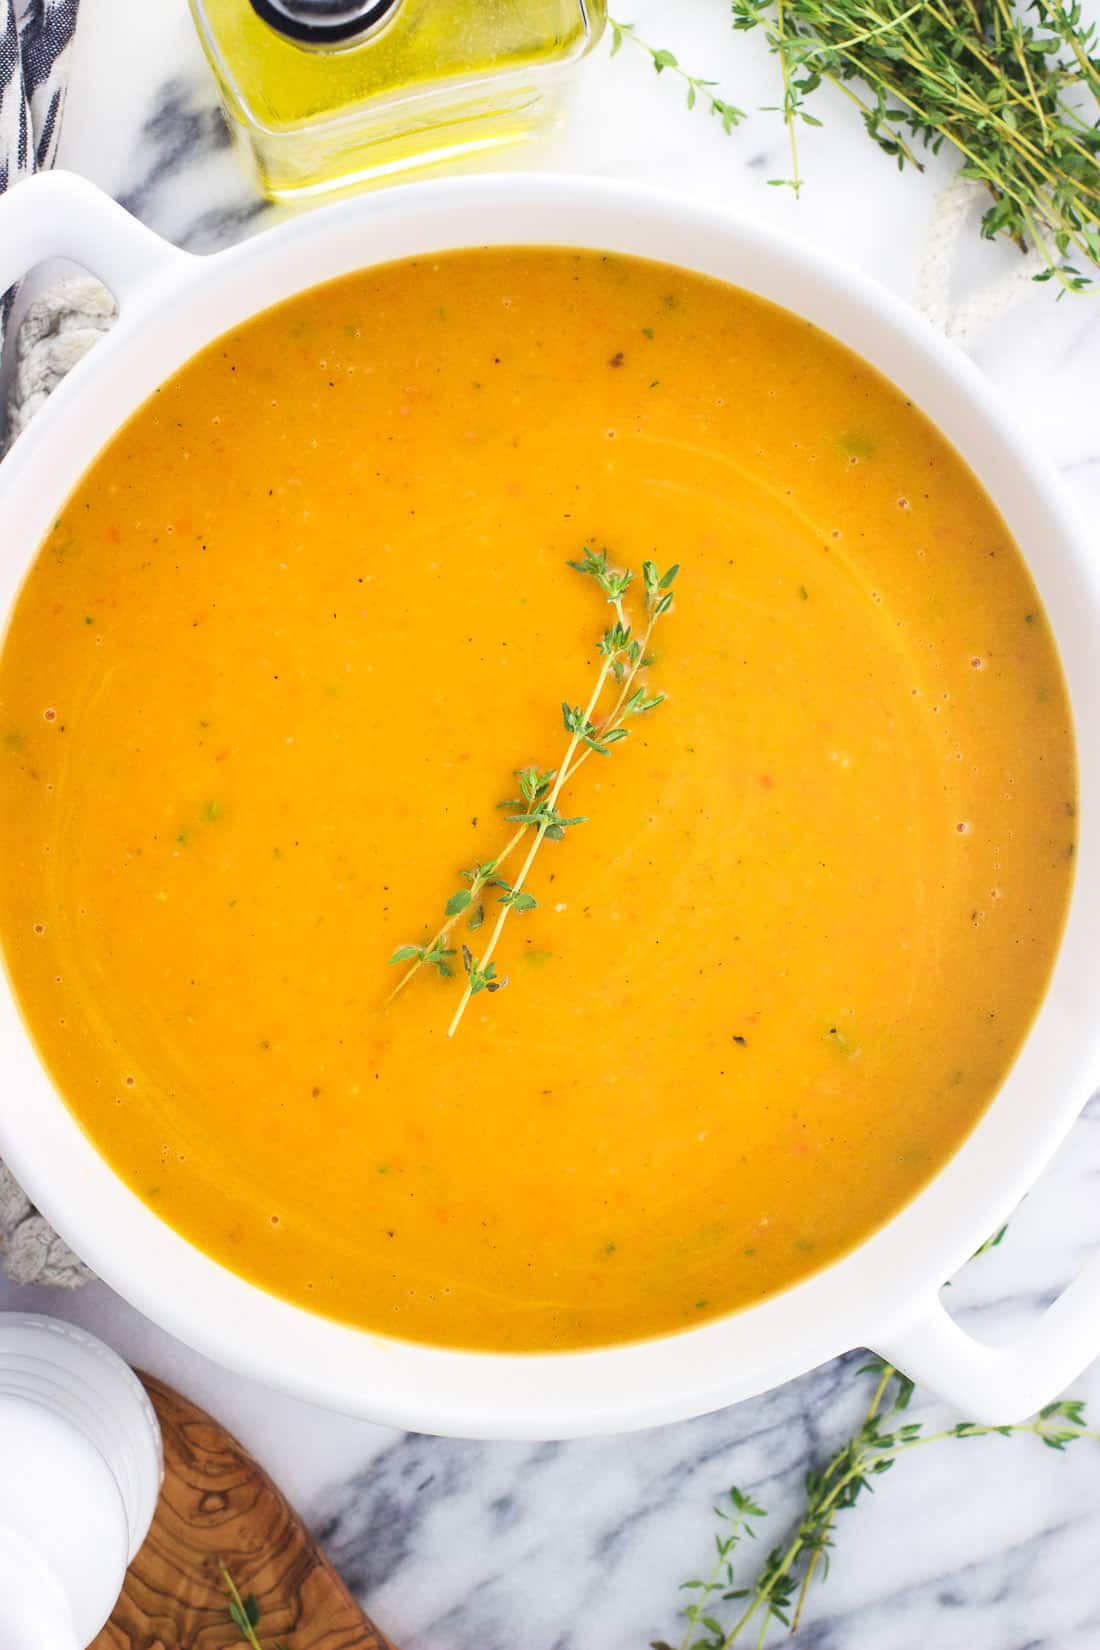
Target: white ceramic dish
point(886, 1293)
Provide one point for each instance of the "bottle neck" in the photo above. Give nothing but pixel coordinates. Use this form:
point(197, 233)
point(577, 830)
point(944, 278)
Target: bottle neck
point(325, 22)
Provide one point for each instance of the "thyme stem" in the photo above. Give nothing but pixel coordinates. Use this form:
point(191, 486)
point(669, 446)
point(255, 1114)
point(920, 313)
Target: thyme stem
point(540, 833)
point(728, 113)
point(440, 938)
point(883, 1436)
point(623, 657)
point(244, 1613)
point(789, 103)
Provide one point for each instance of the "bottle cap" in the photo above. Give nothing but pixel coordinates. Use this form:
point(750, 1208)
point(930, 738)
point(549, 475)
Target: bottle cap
point(324, 22)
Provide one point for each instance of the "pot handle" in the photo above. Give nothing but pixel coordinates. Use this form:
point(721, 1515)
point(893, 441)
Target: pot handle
point(61, 215)
point(999, 1385)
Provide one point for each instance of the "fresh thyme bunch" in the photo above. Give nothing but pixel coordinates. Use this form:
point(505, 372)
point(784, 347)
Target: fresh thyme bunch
point(1016, 91)
point(723, 1612)
point(534, 812)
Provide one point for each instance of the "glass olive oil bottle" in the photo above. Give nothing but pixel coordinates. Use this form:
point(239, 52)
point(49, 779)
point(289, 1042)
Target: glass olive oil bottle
point(326, 93)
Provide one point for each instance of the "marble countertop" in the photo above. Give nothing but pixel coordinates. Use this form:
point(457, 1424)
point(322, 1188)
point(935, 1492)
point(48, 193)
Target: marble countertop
point(986, 1545)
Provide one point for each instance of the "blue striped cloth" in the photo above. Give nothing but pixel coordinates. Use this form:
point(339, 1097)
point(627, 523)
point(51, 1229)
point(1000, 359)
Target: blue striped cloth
point(35, 37)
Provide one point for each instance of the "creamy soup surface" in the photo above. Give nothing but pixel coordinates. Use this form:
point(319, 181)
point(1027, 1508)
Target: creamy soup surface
point(267, 683)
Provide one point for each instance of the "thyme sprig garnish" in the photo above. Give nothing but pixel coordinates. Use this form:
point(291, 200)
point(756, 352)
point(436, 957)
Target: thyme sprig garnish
point(728, 113)
point(1017, 94)
point(778, 1593)
point(244, 1612)
point(535, 812)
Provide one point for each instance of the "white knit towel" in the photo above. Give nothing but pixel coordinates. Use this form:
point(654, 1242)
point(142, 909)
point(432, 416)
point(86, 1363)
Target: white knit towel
point(31, 1250)
point(57, 330)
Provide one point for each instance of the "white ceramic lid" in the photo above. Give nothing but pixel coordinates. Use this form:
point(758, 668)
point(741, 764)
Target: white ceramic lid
point(63, 1531)
point(34, 1611)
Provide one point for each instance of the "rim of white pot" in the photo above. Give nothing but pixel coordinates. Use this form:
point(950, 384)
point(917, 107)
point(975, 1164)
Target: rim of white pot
point(172, 303)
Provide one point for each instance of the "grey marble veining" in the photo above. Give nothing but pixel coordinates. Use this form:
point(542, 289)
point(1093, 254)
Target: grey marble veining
point(969, 1544)
point(977, 1545)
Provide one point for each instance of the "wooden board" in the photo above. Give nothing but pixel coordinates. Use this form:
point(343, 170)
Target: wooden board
point(217, 1503)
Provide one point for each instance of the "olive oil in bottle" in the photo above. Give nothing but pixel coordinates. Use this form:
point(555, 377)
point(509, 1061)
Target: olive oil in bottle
point(327, 93)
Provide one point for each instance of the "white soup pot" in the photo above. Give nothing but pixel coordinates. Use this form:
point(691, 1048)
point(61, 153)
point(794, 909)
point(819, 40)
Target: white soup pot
point(885, 1294)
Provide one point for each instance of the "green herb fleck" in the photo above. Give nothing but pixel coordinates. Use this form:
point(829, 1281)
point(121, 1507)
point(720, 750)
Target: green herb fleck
point(993, 1242)
point(840, 1042)
point(856, 444)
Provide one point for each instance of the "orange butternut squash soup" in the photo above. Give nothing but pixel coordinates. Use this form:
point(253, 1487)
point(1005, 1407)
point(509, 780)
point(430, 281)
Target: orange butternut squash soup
point(270, 679)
